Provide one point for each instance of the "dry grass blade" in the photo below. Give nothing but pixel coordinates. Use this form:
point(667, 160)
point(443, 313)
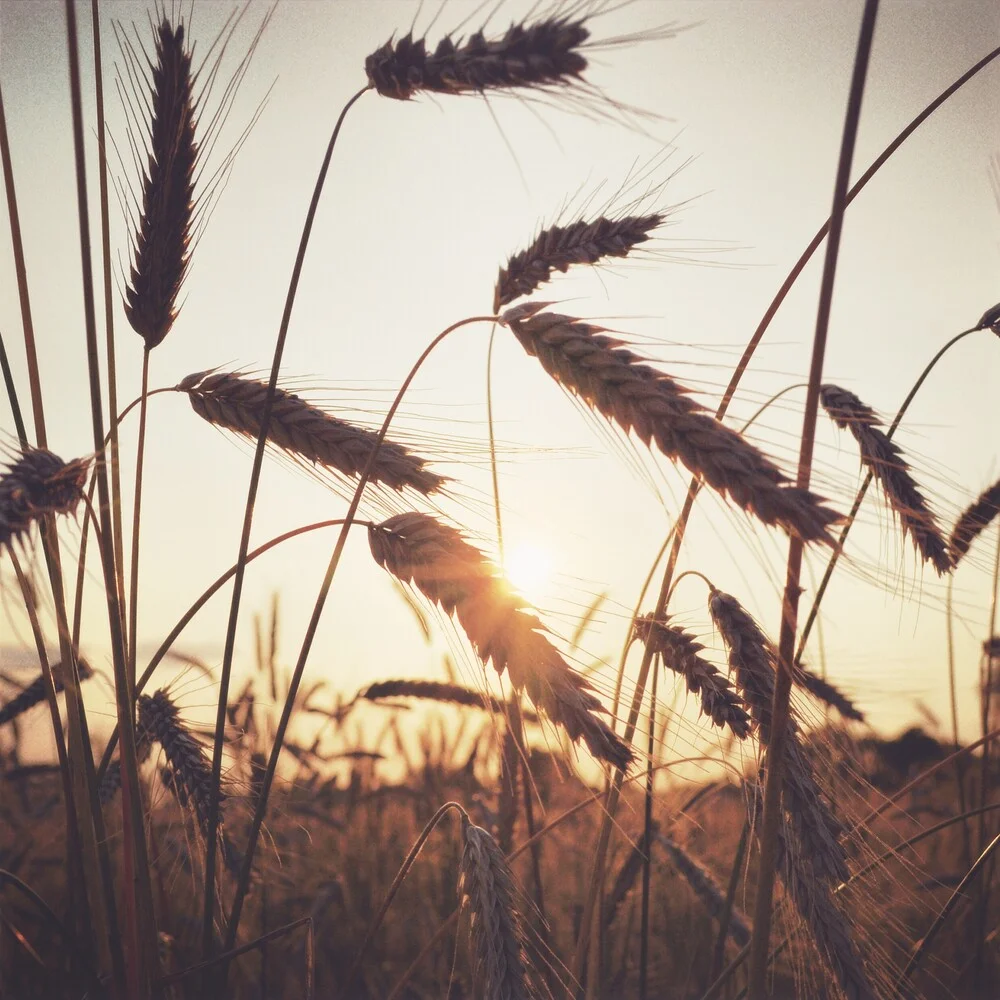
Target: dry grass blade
point(822, 690)
point(487, 889)
point(752, 658)
point(885, 460)
point(973, 521)
point(160, 255)
point(559, 247)
point(450, 572)
point(34, 693)
point(707, 889)
point(454, 694)
point(622, 387)
point(680, 652)
point(305, 431)
point(539, 55)
point(35, 484)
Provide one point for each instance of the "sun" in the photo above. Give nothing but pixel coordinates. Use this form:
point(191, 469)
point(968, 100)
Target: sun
point(529, 568)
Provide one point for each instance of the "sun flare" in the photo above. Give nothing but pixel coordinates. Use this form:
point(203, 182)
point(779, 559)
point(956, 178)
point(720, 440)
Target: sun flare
point(529, 568)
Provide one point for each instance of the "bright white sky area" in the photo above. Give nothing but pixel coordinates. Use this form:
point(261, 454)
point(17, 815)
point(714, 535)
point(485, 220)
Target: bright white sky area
point(426, 199)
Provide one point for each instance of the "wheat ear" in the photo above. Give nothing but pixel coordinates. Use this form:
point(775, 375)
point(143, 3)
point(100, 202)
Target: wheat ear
point(454, 694)
point(680, 652)
point(161, 242)
point(886, 462)
point(973, 521)
point(622, 387)
point(37, 483)
point(237, 403)
point(752, 658)
point(34, 693)
point(447, 570)
point(822, 690)
point(486, 885)
point(528, 56)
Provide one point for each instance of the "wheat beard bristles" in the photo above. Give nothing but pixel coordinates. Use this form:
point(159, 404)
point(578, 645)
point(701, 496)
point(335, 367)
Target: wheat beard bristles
point(527, 56)
point(559, 247)
point(754, 662)
point(448, 571)
point(622, 387)
point(974, 520)
point(161, 250)
point(486, 885)
point(36, 484)
point(822, 690)
point(885, 460)
point(301, 429)
point(679, 650)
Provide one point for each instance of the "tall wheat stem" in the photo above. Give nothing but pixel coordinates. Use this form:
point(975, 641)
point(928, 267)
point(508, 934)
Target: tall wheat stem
point(258, 459)
point(953, 698)
point(132, 635)
point(15, 406)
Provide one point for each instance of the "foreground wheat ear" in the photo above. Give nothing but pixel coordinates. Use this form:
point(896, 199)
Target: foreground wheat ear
point(237, 402)
point(161, 241)
point(885, 460)
point(37, 483)
point(973, 521)
point(627, 390)
point(448, 571)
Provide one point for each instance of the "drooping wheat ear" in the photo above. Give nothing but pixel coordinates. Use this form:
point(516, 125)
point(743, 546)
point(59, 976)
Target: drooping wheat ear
point(706, 888)
point(35, 484)
point(305, 431)
point(161, 241)
point(559, 247)
point(622, 387)
point(190, 771)
point(753, 660)
point(34, 693)
point(822, 690)
point(531, 56)
point(486, 886)
point(974, 520)
point(680, 651)
point(454, 694)
point(448, 571)
point(885, 460)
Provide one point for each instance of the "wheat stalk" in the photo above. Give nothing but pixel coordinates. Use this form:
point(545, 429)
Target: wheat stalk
point(447, 570)
point(236, 402)
point(486, 885)
point(621, 386)
point(35, 484)
point(885, 460)
point(974, 520)
point(752, 658)
point(680, 652)
point(161, 241)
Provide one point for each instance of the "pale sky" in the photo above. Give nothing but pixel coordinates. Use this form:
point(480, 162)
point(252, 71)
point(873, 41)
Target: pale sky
point(426, 199)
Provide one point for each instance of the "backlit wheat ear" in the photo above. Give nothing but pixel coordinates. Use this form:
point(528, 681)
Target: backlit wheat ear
point(885, 460)
point(161, 242)
point(680, 652)
point(621, 386)
point(450, 572)
point(528, 56)
point(560, 247)
point(487, 888)
point(974, 520)
point(305, 431)
point(35, 484)
point(453, 694)
point(753, 660)
point(34, 693)
point(822, 690)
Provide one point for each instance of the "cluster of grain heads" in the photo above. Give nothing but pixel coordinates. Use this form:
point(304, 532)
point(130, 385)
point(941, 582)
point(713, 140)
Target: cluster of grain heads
point(161, 250)
point(973, 521)
point(236, 402)
point(528, 56)
point(558, 248)
point(416, 548)
point(680, 652)
point(886, 462)
point(35, 484)
point(487, 889)
point(34, 693)
point(622, 387)
point(753, 661)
